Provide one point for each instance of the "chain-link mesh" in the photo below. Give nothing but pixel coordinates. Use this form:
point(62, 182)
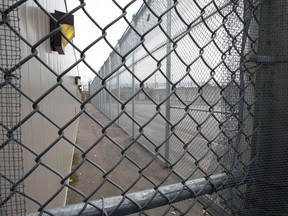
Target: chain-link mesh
point(209, 44)
point(11, 156)
point(169, 124)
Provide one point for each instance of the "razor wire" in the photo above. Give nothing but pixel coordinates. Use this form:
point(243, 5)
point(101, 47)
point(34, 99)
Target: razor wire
point(180, 82)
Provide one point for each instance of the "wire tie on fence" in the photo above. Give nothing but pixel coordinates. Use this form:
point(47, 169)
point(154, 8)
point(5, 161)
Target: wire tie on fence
point(7, 78)
point(4, 19)
point(14, 188)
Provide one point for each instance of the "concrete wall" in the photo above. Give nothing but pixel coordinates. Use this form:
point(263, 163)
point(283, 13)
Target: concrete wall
point(37, 132)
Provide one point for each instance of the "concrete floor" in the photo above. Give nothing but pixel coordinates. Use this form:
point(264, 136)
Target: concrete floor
point(104, 153)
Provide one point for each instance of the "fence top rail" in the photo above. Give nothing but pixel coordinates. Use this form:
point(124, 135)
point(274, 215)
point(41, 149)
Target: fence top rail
point(133, 202)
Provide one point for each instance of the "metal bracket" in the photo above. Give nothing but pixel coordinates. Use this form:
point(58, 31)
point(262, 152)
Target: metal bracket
point(268, 59)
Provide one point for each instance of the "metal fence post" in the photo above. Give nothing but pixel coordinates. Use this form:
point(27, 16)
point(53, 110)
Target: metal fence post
point(104, 91)
point(133, 78)
point(267, 177)
point(94, 83)
point(97, 96)
point(101, 93)
point(168, 86)
point(118, 85)
point(110, 97)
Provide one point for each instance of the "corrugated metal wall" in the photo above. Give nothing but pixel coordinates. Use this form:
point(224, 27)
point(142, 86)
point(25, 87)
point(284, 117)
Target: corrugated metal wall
point(37, 132)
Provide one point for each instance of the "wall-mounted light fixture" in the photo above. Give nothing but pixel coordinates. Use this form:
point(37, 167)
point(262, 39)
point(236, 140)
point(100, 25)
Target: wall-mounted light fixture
point(77, 80)
point(80, 87)
point(58, 42)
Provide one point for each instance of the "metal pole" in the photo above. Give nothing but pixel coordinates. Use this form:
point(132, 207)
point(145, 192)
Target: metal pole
point(118, 85)
point(90, 91)
point(175, 193)
point(96, 88)
point(168, 86)
point(133, 79)
point(155, 80)
point(156, 87)
point(99, 94)
point(104, 92)
point(267, 177)
point(110, 97)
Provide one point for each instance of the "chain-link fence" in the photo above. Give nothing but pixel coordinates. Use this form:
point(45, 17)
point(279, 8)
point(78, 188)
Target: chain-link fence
point(11, 164)
point(179, 91)
point(173, 124)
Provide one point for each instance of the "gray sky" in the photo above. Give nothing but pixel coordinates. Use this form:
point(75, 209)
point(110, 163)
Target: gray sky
point(103, 12)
